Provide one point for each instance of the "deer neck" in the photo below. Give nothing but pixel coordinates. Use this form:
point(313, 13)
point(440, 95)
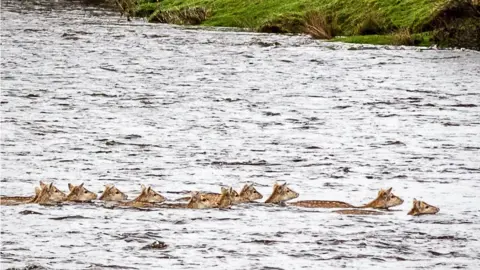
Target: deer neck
point(377, 203)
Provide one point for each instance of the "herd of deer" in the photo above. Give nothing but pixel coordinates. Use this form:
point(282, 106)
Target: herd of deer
point(48, 194)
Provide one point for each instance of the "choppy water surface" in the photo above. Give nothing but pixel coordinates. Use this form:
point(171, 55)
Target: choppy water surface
point(88, 97)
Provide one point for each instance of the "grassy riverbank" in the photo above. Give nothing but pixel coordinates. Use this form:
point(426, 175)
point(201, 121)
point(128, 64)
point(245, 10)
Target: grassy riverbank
point(409, 22)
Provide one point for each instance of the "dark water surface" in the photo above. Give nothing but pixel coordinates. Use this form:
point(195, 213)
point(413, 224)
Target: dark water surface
point(88, 97)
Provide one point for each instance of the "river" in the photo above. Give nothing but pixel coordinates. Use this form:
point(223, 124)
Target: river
point(88, 97)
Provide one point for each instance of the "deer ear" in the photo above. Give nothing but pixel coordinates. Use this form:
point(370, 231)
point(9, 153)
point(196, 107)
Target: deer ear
point(37, 190)
point(108, 186)
point(81, 185)
point(50, 185)
point(389, 190)
point(143, 187)
point(419, 204)
point(195, 195)
point(381, 191)
point(70, 186)
point(148, 189)
point(42, 184)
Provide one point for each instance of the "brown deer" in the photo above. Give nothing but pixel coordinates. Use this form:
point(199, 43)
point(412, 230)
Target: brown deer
point(48, 194)
point(147, 198)
point(12, 200)
point(211, 196)
point(15, 200)
point(197, 201)
point(80, 194)
point(281, 193)
point(226, 199)
point(112, 193)
point(422, 208)
point(385, 199)
point(247, 194)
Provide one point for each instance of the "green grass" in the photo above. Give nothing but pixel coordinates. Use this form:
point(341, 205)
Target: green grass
point(423, 39)
point(413, 14)
point(364, 21)
point(368, 39)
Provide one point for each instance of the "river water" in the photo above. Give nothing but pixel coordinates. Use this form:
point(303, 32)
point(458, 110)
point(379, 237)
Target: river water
point(88, 97)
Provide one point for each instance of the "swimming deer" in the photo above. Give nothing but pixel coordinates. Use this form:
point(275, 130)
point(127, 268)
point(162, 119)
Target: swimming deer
point(419, 208)
point(15, 200)
point(197, 201)
point(247, 194)
point(226, 198)
point(212, 196)
point(112, 193)
point(208, 200)
point(11, 200)
point(147, 198)
point(385, 199)
point(422, 208)
point(48, 194)
point(79, 194)
point(281, 193)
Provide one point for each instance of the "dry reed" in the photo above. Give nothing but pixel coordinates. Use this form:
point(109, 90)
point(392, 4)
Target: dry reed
point(185, 16)
point(317, 25)
point(403, 37)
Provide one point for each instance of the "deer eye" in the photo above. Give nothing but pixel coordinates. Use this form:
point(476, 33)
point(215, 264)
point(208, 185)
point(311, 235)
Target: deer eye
point(85, 191)
point(426, 207)
point(117, 192)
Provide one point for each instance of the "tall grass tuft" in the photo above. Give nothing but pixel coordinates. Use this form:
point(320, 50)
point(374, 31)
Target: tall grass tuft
point(317, 25)
point(185, 16)
point(126, 7)
point(403, 37)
